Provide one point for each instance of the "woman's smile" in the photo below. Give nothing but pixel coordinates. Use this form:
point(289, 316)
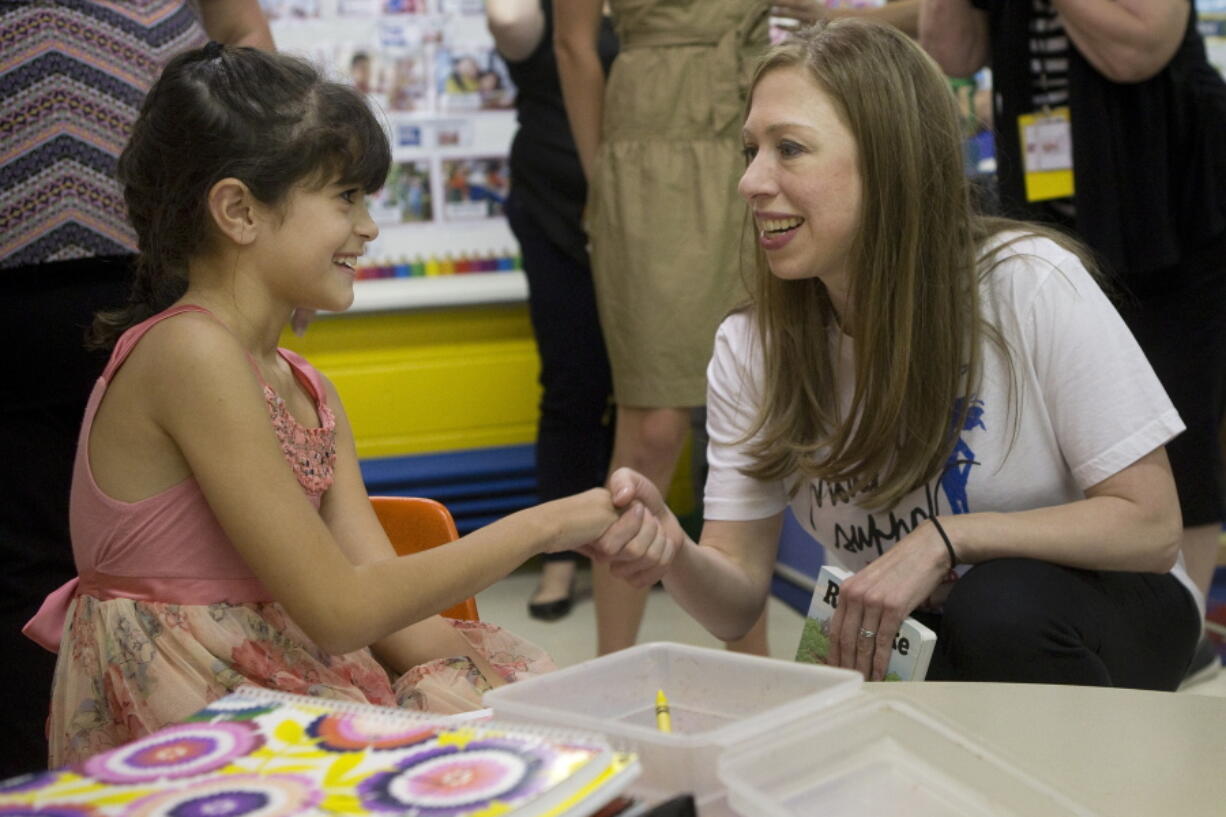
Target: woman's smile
point(775, 230)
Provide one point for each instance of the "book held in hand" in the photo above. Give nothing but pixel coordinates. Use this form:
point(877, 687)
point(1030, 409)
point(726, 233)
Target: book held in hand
point(257, 753)
point(913, 644)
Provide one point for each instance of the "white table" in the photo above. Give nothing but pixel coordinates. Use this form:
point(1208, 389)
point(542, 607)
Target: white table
point(1118, 752)
point(1121, 752)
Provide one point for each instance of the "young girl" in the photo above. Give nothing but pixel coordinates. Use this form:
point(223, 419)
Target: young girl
point(220, 526)
point(928, 388)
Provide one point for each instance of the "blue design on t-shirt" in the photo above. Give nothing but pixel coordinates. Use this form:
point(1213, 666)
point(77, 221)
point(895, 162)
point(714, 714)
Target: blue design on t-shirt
point(962, 459)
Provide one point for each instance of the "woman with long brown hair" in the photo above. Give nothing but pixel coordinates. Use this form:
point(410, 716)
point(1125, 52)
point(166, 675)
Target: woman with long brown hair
point(929, 390)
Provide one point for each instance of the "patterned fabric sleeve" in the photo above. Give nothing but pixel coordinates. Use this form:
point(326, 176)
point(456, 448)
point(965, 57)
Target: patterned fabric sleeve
point(76, 72)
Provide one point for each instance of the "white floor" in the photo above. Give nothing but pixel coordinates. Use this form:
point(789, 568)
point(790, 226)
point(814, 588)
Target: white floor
point(573, 639)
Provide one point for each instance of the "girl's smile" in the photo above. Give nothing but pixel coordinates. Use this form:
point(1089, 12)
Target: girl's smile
point(348, 263)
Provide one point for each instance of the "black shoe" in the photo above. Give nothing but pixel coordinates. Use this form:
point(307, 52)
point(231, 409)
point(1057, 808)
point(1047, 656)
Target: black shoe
point(550, 610)
point(1205, 663)
point(553, 610)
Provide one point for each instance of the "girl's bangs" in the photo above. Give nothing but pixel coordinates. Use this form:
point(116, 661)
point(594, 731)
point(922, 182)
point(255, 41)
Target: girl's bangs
point(357, 151)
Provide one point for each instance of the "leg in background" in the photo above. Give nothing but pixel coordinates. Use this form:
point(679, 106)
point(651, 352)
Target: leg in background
point(1200, 549)
point(649, 440)
point(619, 611)
point(753, 642)
point(574, 433)
point(555, 590)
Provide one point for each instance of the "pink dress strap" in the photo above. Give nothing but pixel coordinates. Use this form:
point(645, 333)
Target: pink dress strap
point(127, 342)
point(307, 374)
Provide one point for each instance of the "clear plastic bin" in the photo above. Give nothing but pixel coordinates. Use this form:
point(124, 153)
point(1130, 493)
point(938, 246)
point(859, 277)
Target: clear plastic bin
point(717, 699)
point(881, 755)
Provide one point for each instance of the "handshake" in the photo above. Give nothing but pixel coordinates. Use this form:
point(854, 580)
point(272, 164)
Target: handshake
point(626, 525)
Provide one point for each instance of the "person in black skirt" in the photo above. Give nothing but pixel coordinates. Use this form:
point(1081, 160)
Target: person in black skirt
point(548, 190)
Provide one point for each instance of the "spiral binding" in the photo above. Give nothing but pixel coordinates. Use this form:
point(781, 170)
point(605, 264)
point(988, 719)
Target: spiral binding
point(476, 719)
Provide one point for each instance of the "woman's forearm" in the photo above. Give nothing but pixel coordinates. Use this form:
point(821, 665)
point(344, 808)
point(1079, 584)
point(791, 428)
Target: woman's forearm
point(724, 593)
point(955, 34)
point(236, 22)
point(576, 28)
point(1133, 524)
point(516, 25)
point(902, 14)
point(1092, 534)
point(1125, 40)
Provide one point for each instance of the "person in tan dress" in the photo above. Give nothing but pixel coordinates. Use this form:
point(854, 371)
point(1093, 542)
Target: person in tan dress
point(660, 145)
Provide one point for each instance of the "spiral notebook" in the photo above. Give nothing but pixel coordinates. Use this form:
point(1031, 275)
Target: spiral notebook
point(257, 753)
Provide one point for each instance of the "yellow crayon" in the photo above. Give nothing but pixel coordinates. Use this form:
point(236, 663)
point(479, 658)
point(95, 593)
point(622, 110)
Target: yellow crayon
point(664, 719)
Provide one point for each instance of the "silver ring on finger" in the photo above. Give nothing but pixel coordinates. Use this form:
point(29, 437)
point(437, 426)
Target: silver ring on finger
point(867, 633)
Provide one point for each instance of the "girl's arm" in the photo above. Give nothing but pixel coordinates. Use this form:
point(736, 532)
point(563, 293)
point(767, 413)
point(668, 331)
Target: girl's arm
point(236, 22)
point(1126, 40)
point(1129, 521)
point(206, 398)
point(955, 34)
point(517, 27)
point(576, 31)
point(347, 511)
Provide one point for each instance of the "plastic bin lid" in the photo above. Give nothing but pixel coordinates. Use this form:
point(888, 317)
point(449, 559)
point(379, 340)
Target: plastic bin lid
point(576, 694)
point(882, 754)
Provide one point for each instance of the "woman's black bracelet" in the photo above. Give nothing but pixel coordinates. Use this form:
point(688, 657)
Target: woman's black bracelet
point(949, 546)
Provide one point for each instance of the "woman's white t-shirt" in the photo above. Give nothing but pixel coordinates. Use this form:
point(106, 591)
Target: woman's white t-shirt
point(1087, 404)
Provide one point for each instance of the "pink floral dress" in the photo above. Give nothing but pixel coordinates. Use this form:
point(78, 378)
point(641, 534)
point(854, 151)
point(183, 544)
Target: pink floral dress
point(130, 664)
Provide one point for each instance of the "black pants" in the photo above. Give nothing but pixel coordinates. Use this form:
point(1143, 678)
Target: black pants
point(47, 373)
point(1026, 621)
point(575, 434)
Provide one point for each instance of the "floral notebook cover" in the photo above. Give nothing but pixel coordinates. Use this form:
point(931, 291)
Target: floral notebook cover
point(257, 753)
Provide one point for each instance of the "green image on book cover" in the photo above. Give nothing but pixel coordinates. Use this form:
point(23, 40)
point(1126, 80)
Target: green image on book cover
point(912, 646)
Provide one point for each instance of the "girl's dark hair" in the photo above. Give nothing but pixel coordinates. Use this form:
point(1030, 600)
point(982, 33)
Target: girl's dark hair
point(269, 120)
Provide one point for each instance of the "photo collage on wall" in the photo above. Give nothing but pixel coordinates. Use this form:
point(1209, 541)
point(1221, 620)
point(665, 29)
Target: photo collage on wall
point(433, 76)
point(1212, 17)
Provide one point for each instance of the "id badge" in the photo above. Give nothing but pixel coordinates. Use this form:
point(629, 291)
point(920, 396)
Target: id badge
point(1047, 154)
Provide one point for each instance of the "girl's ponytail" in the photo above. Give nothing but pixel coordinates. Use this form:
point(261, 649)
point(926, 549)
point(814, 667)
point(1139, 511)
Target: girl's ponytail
point(152, 291)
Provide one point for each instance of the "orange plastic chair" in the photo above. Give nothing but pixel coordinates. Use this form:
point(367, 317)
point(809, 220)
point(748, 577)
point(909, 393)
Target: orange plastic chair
point(414, 524)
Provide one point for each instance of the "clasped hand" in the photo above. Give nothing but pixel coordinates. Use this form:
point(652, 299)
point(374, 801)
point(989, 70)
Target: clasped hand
point(639, 539)
point(873, 602)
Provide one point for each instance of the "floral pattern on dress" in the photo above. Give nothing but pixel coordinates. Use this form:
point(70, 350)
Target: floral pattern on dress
point(310, 451)
point(128, 667)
